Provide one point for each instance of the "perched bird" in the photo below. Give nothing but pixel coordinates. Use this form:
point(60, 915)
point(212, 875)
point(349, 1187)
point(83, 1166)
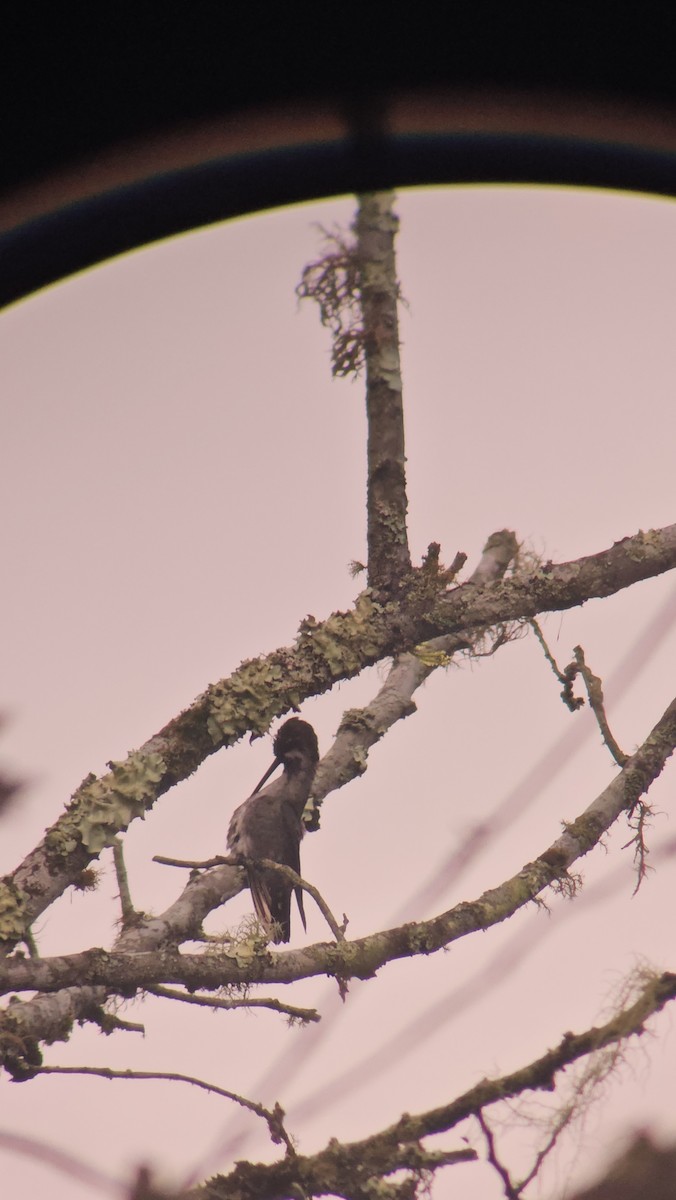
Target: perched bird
point(269, 825)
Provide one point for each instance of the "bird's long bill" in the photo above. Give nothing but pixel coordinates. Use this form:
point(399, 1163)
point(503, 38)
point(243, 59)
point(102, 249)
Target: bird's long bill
point(268, 773)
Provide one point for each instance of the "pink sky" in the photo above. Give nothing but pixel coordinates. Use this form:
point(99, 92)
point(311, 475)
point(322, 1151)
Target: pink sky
point(185, 483)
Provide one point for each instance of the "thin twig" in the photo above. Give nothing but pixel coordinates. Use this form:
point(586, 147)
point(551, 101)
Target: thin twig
point(289, 1010)
point(194, 864)
point(535, 626)
point(639, 814)
point(562, 1123)
point(595, 694)
point(31, 944)
point(273, 1118)
point(511, 1192)
point(593, 686)
point(566, 677)
point(222, 860)
point(268, 865)
point(108, 1022)
point(128, 910)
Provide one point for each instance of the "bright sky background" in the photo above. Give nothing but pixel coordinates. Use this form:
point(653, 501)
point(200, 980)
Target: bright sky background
point(183, 483)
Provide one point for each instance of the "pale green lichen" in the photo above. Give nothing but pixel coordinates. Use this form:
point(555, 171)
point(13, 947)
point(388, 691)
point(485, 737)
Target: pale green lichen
point(430, 657)
point(644, 543)
point(248, 942)
point(104, 807)
point(357, 719)
point(388, 367)
point(262, 688)
point(360, 756)
point(345, 640)
point(246, 701)
point(64, 837)
point(244, 954)
point(12, 912)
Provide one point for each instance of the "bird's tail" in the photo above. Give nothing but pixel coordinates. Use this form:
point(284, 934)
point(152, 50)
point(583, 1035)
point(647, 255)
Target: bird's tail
point(299, 900)
point(272, 903)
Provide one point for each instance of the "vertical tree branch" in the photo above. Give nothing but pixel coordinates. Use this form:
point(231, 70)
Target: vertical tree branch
point(388, 554)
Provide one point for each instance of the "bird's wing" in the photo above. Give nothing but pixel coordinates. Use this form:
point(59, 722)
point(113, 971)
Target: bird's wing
point(266, 827)
point(258, 830)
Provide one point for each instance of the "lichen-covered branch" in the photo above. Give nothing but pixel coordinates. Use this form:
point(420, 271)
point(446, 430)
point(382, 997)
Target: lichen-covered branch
point(355, 285)
point(122, 973)
point(389, 561)
point(361, 728)
point(354, 1170)
point(263, 688)
point(343, 1169)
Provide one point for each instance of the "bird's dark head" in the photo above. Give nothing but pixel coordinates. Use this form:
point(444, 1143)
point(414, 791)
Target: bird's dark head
point(295, 734)
point(295, 745)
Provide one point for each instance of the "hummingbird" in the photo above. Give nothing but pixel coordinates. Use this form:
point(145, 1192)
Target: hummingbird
point(269, 825)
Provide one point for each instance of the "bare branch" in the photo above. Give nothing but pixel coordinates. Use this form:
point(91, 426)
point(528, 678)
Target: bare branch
point(593, 687)
point(511, 1192)
point(273, 1118)
point(289, 1010)
point(571, 701)
point(595, 693)
point(340, 1168)
point(128, 910)
point(196, 864)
